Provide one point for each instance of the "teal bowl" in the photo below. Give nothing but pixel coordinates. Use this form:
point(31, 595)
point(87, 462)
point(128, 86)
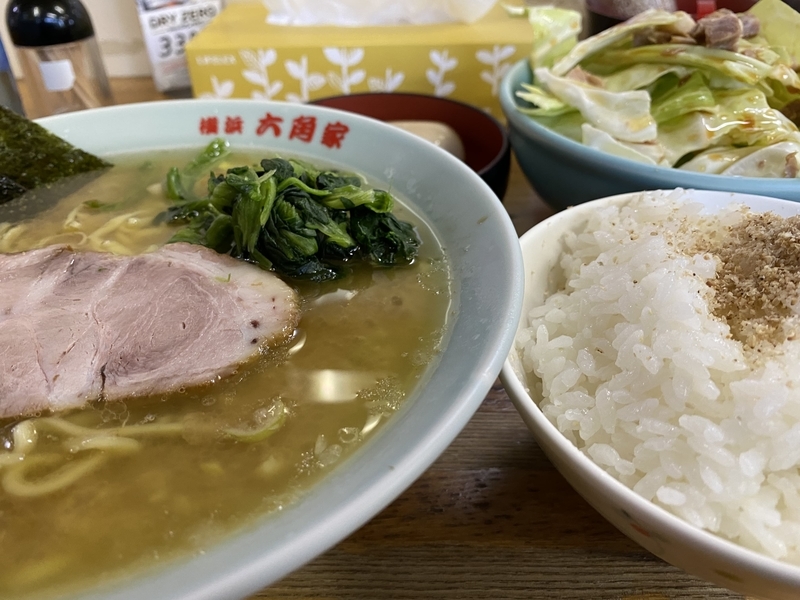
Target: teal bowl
point(565, 173)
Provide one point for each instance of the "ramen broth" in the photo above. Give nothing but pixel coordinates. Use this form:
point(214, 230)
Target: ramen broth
point(363, 344)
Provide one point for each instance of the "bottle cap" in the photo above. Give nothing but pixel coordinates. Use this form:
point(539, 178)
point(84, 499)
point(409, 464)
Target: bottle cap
point(47, 22)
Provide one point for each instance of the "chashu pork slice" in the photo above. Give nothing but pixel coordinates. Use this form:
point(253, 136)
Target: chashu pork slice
point(81, 326)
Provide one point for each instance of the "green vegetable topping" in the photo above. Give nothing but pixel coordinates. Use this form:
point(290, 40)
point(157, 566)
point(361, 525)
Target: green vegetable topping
point(180, 182)
point(288, 216)
point(266, 422)
point(718, 95)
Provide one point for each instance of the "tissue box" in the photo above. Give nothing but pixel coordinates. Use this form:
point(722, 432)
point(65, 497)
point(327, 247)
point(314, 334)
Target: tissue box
point(239, 55)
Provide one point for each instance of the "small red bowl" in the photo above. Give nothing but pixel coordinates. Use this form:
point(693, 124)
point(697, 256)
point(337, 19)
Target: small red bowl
point(486, 147)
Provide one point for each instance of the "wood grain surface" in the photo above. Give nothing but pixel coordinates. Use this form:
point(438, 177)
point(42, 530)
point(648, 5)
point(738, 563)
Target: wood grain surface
point(490, 519)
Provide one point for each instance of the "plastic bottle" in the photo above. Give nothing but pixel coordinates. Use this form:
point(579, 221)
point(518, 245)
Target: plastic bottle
point(9, 95)
point(59, 55)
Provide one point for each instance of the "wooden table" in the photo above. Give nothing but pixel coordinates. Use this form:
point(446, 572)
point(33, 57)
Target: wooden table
point(491, 519)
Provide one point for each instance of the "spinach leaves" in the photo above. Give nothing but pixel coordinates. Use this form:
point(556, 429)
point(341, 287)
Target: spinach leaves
point(288, 216)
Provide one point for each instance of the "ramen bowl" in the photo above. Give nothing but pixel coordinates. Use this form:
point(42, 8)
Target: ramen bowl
point(565, 172)
point(663, 533)
point(466, 218)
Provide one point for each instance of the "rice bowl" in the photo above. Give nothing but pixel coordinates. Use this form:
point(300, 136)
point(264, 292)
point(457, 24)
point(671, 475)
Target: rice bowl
point(679, 451)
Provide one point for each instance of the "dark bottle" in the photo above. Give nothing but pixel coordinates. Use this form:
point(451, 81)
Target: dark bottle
point(602, 14)
point(59, 55)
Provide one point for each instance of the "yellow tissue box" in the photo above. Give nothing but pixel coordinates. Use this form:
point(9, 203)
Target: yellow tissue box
point(239, 55)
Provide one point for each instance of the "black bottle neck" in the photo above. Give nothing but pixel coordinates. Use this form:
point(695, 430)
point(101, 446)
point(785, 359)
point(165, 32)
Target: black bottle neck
point(47, 22)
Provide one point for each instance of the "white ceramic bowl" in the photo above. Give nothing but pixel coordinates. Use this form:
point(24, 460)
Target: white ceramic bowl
point(482, 246)
point(696, 551)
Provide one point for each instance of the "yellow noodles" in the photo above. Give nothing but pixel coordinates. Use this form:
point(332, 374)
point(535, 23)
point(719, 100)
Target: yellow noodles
point(81, 231)
point(9, 236)
point(16, 465)
point(15, 481)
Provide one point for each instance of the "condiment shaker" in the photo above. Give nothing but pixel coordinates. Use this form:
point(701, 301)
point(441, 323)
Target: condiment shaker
point(59, 54)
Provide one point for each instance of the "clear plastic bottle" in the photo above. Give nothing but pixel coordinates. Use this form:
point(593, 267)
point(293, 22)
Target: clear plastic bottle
point(60, 58)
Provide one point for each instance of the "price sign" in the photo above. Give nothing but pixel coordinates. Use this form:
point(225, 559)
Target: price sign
point(167, 26)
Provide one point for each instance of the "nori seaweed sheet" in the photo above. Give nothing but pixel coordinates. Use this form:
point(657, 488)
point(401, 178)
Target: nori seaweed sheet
point(31, 157)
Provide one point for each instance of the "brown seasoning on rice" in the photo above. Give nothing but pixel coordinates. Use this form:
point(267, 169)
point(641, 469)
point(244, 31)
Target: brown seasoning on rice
point(758, 279)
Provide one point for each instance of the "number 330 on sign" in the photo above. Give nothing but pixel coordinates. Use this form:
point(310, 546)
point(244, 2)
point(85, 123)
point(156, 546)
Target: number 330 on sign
point(172, 43)
point(167, 26)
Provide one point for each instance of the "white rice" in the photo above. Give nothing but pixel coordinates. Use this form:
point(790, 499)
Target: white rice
point(640, 375)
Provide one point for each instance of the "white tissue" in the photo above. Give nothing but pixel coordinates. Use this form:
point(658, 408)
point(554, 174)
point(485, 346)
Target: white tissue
point(359, 13)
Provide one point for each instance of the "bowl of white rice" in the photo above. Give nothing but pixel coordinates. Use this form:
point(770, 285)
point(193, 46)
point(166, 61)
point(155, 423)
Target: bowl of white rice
point(658, 365)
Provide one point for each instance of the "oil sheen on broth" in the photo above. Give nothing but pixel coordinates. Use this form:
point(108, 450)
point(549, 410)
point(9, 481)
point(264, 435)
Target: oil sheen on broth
point(363, 344)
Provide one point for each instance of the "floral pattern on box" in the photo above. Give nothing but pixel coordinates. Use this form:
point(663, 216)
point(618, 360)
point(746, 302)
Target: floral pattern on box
point(300, 76)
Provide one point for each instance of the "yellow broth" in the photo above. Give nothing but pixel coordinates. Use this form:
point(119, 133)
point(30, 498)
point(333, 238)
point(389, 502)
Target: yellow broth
point(363, 344)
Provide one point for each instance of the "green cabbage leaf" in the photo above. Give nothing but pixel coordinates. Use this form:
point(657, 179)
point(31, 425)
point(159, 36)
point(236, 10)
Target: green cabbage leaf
point(646, 90)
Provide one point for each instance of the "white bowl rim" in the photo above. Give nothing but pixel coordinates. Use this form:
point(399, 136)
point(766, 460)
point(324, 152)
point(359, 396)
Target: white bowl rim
point(623, 496)
point(202, 577)
point(664, 177)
